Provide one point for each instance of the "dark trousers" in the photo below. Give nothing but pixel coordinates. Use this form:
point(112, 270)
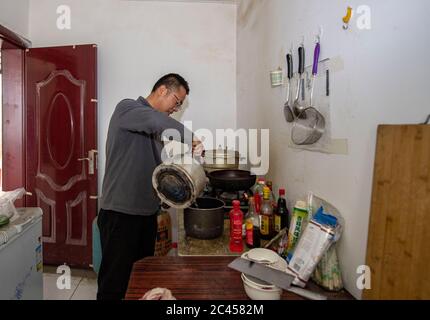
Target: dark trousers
point(125, 239)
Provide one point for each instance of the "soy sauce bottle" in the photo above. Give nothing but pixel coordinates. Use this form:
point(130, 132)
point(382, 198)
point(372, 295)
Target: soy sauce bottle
point(281, 213)
point(252, 226)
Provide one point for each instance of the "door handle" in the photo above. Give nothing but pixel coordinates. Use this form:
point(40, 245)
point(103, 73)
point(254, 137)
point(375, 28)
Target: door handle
point(92, 161)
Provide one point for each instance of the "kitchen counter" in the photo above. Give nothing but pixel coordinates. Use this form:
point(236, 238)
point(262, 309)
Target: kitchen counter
point(188, 246)
point(199, 278)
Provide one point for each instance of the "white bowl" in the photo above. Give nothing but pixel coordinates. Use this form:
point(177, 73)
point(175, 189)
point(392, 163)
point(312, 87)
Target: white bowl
point(275, 260)
point(259, 254)
point(258, 283)
point(257, 293)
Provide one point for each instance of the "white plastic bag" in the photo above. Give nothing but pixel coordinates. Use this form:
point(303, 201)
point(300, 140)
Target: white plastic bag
point(323, 230)
point(315, 202)
point(327, 273)
point(7, 199)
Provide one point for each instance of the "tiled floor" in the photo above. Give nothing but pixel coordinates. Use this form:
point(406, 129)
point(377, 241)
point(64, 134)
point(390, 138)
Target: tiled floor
point(83, 285)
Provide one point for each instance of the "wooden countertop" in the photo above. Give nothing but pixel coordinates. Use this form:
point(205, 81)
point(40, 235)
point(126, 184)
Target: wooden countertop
point(188, 246)
point(198, 278)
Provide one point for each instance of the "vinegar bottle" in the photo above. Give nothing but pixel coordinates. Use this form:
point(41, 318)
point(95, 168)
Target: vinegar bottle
point(252, 226)
point(259, 187)
point(236, 221)
point(269, 184)
point(266, 214)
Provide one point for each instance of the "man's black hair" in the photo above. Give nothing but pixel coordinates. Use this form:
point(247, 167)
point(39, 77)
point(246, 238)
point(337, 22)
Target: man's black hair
point(172, 81)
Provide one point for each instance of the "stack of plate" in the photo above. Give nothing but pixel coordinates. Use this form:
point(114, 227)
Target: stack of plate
point(257, 289)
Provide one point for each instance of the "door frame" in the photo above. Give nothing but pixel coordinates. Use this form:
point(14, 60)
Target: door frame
point(13, 48)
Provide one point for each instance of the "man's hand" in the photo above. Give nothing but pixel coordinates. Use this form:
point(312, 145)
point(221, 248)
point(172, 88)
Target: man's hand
point(198, 148)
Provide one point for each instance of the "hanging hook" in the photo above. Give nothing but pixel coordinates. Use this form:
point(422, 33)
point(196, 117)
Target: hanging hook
point(320, 34)
point(347, 18)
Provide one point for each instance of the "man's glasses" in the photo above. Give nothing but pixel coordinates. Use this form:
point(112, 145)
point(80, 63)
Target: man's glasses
point(178, 104)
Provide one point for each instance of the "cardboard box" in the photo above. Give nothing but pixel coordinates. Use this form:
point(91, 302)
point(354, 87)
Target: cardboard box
point(163, 242)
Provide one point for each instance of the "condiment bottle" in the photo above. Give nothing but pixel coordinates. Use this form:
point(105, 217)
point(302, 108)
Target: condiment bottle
point(281, 213)
point(266, 213)
point(236, 220)
point(252, 226)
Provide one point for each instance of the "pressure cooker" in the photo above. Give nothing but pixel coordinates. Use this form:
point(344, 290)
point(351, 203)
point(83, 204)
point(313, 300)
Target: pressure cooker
point(221, 159)
point(179, 181)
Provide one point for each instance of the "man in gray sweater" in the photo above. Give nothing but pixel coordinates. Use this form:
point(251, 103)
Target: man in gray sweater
point(129, 205)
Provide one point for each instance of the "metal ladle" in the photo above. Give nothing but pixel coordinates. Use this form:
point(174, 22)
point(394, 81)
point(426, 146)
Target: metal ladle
point(297, 108)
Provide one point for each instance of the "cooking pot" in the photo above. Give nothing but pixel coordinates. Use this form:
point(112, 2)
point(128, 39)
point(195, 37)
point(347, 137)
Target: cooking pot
point(220, 159)
point(179, 181)
point(206, 220)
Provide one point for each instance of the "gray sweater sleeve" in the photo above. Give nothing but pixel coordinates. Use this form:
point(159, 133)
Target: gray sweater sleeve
point(150, 121)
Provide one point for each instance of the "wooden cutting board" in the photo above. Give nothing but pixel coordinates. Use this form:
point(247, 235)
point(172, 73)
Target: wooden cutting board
point(398, 249)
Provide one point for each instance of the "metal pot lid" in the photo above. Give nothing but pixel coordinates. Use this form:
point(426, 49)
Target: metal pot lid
point(221, 153)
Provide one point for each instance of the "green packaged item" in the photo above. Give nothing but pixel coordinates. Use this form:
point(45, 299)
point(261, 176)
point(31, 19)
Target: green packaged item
point(298, 221)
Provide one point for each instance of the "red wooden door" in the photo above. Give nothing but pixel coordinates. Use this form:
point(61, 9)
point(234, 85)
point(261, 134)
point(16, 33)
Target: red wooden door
point(61, 148)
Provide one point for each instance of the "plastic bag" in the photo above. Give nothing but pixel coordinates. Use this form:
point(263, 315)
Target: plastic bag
point(279, 243)
point(7, 199)
point(327, 273)
point(324, 228)
point(314, 203)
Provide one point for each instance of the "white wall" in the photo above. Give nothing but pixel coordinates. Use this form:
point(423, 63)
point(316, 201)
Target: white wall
point(14, 15)
point(384, 80)
point(139, 41)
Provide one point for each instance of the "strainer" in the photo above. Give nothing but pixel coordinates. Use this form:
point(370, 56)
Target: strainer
point(308, 128)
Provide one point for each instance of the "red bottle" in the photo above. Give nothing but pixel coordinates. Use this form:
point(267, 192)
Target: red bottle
point(236, 221)
point(257, 199)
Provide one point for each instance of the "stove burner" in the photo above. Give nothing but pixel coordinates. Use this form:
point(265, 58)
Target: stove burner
point(229, 197)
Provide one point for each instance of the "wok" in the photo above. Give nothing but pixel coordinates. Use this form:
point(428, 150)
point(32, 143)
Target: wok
point(231, 180)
